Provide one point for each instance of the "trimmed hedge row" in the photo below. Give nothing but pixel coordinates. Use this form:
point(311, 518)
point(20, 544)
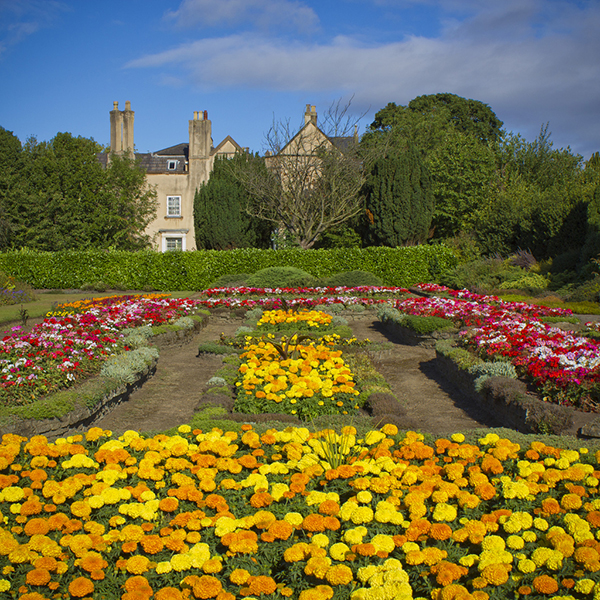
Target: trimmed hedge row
point(173, 271)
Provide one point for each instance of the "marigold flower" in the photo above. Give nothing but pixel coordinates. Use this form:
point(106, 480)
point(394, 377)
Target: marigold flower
point(544, 584)
point(38, 577)
point(239, 576)
point(136, 565)
point(262, 584)
point(168, 504)
point(81, 587)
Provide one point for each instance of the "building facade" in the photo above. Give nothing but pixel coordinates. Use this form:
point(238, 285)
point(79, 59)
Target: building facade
point(175, 172)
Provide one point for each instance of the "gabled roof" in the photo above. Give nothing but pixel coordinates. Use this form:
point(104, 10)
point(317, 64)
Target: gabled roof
point(229, 139)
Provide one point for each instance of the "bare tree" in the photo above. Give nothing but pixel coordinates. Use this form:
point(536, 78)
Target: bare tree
point(313, 175)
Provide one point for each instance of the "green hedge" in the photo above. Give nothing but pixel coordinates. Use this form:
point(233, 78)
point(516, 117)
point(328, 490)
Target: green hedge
point(172, 271)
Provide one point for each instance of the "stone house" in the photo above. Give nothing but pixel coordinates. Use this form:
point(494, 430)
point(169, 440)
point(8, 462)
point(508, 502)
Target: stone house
point(176, 173)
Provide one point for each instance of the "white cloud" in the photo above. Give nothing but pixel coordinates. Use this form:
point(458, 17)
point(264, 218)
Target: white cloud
point(261, 13)
point(545, 68)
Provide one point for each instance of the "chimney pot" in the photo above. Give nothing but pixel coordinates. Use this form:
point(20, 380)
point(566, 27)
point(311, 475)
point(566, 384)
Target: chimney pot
point(127, 105)
point(115, 105)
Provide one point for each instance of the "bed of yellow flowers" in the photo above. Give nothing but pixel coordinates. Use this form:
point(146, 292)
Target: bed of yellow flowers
point(229, 516)
point(296, 376)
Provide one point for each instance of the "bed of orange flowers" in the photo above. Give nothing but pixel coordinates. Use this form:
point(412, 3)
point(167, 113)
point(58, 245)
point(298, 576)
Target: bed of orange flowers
point(230, 516)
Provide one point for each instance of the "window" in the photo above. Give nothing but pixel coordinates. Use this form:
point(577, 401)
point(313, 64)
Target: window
point(173, 206)
point(174, 239)
point(172, 165)
point(174, 243)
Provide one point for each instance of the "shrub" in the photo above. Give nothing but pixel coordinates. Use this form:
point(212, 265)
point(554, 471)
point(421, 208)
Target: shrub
point(127, 366)
point(531, 283)
point(426, 325)
point(484, 371)
point(277, 277)
point(174, 271)
point(230, 281)
point(352, 279)
point(483, 275)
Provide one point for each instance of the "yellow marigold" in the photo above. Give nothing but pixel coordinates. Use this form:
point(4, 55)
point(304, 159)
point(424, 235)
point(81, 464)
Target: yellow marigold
point(496, 574)
point(339, 575)
point(571, 502)
point(181, 562)
point(239, 576)
point(584, 586)
point(136, 565)
point(80, 587)
point(444, 512)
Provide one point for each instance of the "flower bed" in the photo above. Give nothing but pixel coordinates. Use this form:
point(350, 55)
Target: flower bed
point(63, 350)
point(295, 514)
point(562, 365)
point(299, 297)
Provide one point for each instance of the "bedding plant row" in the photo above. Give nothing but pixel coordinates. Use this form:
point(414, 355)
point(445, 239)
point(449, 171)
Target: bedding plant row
point(562, 364)
point(74, 340)
point(296, 514)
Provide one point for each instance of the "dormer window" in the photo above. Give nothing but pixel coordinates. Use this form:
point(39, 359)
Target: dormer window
point(172, 165)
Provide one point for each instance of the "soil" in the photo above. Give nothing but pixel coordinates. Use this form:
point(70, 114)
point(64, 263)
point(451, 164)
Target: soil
point(168, 399)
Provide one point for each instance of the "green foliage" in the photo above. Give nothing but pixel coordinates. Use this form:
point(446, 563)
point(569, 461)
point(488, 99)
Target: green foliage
point(531, 283)
point(463, 176)
point(488, 275)
point(351, 279)
point(60, 196)
point(426, 325)
point(172, 271)
point(274, 277)
point(220, 217)
point(399, 202)
point(232, 280)
point(461, 357)
point(465, 115)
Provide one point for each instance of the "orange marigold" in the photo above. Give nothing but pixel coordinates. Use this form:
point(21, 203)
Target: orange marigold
point(152, 544)
point(37, 526)
point(314, 523)
point(446, 572)
point(38, 577)
point(168, 504)
point(262, 585)
point(80, 587)
point(440, 531)
point(207, 587)
point(329, 507)
point(168, 593)
point(138, 583)
point(261, 499)
point(550, 506)
point(491, 465)
point(544, 584)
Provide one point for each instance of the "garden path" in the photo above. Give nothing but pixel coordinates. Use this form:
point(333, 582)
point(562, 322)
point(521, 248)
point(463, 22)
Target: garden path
point(433, 404)
point(169, 397)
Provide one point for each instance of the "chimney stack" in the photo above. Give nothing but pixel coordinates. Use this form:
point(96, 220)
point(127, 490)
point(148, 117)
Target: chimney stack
point(121, 129)
point(310, 114)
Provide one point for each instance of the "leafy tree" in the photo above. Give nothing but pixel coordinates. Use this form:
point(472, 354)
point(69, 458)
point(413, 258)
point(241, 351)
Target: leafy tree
point(398, 200)
point(467, 116)
point(11, 164)
point(67, 200)
point(220, 216)
point(463, 180)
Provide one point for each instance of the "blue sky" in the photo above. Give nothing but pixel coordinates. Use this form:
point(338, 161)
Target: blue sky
point(248, 62)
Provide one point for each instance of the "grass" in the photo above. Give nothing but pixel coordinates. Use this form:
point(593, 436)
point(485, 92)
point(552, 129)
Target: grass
point(45, 300)
point(579, 308)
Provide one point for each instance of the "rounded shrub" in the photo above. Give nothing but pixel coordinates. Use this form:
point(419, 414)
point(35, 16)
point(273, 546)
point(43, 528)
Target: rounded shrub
point(352, 279)
point(274, 277)
point(230, 281)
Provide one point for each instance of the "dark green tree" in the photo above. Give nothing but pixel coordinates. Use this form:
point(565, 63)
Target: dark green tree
point(398, 200)
point(467, 116)
point(220, 217)
point(11, 180)
point(66, 199)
